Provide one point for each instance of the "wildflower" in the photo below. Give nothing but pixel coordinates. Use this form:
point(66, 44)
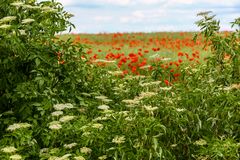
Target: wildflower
point(55, 125)
point(100, 119)
point(9, 149)
point(48, 9)
point(131, 101)
point(15, 126)
point(66, 118)
point(17, 4)
point(97, 126)
point(166, 88)
point(101, 97)
point(43, 151)
point(27, 20)
point(150, 83)
point(15, 157)
point(200, 142)
point(102, 157)
point(79, 158)
point(147, 94)
point(107, 100)
point(30, 7)
point(7, 19)
point(150, 108)
point(22, 32)
point(69, 146)
point(60, 107)
point(103, 107)
point(118, 139)
point(5, 26)
point(85, 150)
point(124, 113)
point(86, 134)
point(180, 109)
point(167, 82)
point(116, 73)
point(57, 113)
point(104, 61)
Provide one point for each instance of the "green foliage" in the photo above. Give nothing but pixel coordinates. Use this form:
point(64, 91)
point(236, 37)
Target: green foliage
point(56, 106)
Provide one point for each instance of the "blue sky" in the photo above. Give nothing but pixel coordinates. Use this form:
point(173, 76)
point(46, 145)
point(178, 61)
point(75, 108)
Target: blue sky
point(95, 16)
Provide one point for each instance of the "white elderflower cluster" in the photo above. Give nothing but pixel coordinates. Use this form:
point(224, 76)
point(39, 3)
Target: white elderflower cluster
point(180, 109)
point(119, 139)
point(85, 150)
point(131, 101)
point(17, 4)
point(56, 113)
point(102, 157)
point(65, 157)
point(63, 106)
point(47, 9)
point(15, 126)
point(69, 146)
point(150, 83)
point(7, 19)
point(99, 119)
point(5, 26)
point(103, 61)
point(103, 98)
point(97, 126)
point(16, 157)
point(27, 20)
point(147, 94)
point(115, 73)
point(9, 149)
point(66, 118)
point(103, 107)
point(150, 108)
point(55, 125)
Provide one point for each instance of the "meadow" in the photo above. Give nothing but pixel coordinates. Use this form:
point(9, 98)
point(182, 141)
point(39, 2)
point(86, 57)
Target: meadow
point(120, 96)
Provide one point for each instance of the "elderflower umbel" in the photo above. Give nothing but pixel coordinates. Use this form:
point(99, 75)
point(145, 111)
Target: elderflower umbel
point(66, 118)
point(63, 106)
point(55, 125)
point(103, 107)
point(9, 149)
point(69, 146)
point(27, 20)
point(17, 4)
point(57, 113)
point(85, 150)
point(150, 108)
point(7, 19)
point(97, 126)
point(15, 157)
point(5, 26)
point(118, 139)
point(15, 126)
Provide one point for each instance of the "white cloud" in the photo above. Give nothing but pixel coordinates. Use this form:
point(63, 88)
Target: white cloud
point(103, 18)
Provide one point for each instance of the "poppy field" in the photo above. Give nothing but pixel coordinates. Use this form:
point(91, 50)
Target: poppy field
point(142, 53)
point(119, 96)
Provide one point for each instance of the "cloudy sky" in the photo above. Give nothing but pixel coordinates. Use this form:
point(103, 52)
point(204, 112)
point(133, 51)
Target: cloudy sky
point(94, 16)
